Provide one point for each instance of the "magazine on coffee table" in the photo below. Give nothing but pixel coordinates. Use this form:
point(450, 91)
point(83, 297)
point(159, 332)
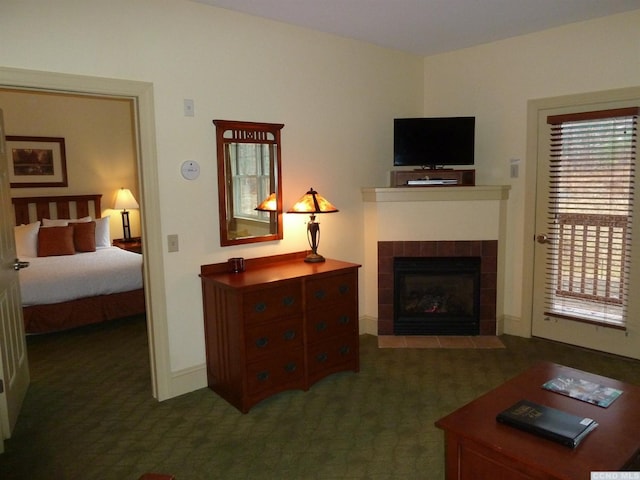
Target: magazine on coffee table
point(584, 390)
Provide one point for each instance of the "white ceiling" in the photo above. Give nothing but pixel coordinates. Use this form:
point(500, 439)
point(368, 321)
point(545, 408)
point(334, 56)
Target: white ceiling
point(427, 27)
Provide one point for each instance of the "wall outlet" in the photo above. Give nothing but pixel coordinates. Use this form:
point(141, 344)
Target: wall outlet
point(172, 243)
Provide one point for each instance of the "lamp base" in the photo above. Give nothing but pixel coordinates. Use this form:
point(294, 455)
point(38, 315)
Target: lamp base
point(314, 258)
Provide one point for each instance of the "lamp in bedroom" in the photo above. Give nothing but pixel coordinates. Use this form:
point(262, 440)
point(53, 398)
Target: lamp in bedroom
point(125, 201)
point(311, 203)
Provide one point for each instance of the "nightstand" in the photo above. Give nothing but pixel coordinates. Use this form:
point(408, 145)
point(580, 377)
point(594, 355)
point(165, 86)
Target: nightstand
point(133, 245)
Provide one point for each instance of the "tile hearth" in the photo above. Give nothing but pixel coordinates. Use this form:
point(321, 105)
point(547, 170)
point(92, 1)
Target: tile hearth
point(422, 341)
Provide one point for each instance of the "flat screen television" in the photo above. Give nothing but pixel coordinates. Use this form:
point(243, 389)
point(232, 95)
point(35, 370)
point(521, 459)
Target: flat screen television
point(433, 142)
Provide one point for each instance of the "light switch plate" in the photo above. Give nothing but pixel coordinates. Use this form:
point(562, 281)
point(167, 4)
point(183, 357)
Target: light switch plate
point(172, 243)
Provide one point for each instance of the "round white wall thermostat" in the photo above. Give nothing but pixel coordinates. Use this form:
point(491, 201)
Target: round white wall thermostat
point(190, 169)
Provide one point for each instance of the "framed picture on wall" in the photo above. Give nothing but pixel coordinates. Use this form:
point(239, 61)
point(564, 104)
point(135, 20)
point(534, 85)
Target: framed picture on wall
point(36, 162)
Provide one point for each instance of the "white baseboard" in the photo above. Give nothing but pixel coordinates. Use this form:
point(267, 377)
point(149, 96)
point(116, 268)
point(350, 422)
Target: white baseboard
point(368, 325)
point(513, 325)
point(187, 380)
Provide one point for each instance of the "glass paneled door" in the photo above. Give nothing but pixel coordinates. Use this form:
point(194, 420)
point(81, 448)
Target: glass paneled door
point(584, 220)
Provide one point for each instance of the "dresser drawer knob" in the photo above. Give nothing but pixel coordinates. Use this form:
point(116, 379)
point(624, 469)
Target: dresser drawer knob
point(321, 326)
point(345, 349)
point(260, 307)
point(291, 367)
point(344, 319)
point(288, 301)
point(322, 357)
point(263, 376)
point(344, 288)
point(262, 342)
point(289, 335)
point(320, 294)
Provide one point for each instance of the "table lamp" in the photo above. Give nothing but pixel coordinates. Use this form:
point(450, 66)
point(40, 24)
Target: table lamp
point(124, 201)
point(312, 203)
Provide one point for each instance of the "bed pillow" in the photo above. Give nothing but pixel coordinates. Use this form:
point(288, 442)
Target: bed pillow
point(26, 237)
point(54, 241)
point(103, 232)
point(63, 222)
point(84, 236)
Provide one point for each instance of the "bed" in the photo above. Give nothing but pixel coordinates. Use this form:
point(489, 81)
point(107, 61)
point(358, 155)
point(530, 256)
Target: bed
point(75, 277)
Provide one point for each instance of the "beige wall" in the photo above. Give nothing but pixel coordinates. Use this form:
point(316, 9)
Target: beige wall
point(336, 97)
point(495, 81)
point(99, 144)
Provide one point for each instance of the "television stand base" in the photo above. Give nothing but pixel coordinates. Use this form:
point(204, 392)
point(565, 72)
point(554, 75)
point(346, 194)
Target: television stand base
point(430, 168)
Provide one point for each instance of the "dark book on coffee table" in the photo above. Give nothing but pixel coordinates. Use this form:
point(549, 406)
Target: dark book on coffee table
point(547, 422)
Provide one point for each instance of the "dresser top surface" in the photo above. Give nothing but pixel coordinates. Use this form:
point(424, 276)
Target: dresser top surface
point(276, 272)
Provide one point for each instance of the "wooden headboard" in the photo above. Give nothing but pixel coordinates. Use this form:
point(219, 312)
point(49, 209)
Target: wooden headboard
point(30, 209)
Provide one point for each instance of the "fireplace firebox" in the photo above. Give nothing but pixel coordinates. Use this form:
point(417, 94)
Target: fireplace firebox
point(436, 295)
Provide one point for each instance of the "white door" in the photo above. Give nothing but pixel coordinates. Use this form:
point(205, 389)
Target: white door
point(554, 327)
point(14, 367)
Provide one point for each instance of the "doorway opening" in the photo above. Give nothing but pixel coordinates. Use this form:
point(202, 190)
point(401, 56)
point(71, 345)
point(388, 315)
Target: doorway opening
point(141, 94)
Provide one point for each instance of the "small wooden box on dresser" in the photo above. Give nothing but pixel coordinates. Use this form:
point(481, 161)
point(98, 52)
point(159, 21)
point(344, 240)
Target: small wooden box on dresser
point(281, 324)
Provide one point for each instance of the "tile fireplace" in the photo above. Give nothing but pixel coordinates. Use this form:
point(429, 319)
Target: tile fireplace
point(441, 287)
point(434, 222)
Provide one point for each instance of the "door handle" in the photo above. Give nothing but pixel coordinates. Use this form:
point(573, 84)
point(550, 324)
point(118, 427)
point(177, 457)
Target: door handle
point(18, 264)
point(542, 238)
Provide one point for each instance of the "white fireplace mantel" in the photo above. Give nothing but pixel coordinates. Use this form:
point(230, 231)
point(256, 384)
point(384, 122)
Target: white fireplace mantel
point(430, 214)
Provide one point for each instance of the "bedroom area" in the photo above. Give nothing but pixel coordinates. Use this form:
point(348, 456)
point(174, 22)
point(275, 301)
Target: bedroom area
point(72, 154)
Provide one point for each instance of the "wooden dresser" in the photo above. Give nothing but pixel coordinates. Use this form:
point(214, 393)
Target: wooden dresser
point(281, 324)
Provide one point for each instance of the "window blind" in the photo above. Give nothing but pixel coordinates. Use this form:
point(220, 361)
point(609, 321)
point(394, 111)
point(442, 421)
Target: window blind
point(591, 193)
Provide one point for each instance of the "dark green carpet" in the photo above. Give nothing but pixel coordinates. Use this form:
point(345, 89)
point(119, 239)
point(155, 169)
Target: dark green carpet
point(89, 413)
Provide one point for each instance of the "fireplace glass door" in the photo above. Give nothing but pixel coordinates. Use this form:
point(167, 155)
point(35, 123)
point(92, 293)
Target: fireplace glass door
point(436, 295)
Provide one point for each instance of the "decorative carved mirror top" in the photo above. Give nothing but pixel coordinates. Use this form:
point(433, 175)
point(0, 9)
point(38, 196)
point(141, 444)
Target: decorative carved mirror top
point(249, 171)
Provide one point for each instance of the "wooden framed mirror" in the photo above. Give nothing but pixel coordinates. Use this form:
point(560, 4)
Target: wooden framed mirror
point(249, 171)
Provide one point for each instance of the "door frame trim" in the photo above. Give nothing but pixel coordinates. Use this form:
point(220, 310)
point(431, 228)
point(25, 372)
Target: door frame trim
point(142, 95)
point(533, 108)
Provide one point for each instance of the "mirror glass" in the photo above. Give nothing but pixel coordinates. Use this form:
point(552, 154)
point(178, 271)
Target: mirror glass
point(249, 171)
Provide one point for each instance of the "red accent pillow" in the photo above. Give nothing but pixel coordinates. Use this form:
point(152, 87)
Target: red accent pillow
point(84, 236)
point(54, 241)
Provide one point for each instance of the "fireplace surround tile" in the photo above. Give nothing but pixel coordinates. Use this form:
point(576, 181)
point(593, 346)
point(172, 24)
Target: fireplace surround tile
point(487, 250)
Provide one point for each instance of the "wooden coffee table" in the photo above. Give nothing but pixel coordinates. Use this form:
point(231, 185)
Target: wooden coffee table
point(477, 447)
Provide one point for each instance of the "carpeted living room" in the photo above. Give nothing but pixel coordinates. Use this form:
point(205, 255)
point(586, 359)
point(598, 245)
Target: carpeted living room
point(89, 412)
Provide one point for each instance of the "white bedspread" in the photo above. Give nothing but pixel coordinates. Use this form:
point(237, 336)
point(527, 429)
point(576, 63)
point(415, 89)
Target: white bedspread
point(69, 277)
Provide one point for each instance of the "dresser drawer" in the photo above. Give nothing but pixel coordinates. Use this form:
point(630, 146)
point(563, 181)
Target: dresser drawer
point(332, 321)
point(269, 338)
point(334, 289)
point(283, 371)
point(283, 300)
point(332, 355)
